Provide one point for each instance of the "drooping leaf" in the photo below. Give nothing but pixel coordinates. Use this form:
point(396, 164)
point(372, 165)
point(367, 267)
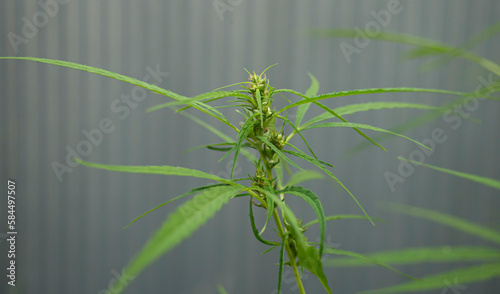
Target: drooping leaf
point(330, 174)
point(311, 92)
point(308, 255)
point(302, 176)
point(429, 44)
point(452, 280)
point(179, 225)
point(254, 228)
point(198, 105)
point(160, 170)
point(360, 126)
point(423, 255)
point(448, 220)
point(365, 91)
point(192, 191)
point(313, 200)
point(299, 133)
point(482, 180)
point(362, 257)
point(353, 108)
point(354, 128)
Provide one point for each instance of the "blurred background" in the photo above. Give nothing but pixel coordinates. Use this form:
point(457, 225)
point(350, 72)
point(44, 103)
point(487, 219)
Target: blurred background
point(70, 218)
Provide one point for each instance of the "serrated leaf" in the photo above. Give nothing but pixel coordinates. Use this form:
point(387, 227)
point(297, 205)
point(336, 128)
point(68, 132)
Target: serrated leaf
point(311, 92)
point(361, 126)
point(423, 255)
point(455, 279)
point(362, 92)
point(160, 170)
point(186, 219)
point(302, 176)
point(313, 200)
point(192, 191)
point(353, 108)
point(362, 257)
point(482, 180)
point(451, 221)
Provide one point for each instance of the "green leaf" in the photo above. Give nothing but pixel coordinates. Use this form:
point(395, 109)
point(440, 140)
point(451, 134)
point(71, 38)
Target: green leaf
point(353, 108)
point(302, 176)
point(361, 126)
point(482, 180)
point(218, 133)
point(221, 289)
point(448, 280)
point(356, 129)
point(415, 41)
point(298, 132)
point(451, 221)
point(198, 105)
point(312, 91)
point(313, 200)
point(281, 260)
point(329, 173)
point(270, 209)
point(160, 170)
point(308, 255)
point(254, 228)
point(179, 225)
point(259, 104)
point(210, 96)
point(279, 152)
point(362, 257)
point(245, 130)
point(362, 92)
point(343, 216)
point(192, 191)
point(423, 255)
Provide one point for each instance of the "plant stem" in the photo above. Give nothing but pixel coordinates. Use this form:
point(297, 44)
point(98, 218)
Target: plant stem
point(291, 257)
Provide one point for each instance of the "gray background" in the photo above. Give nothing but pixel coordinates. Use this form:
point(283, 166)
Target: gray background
point(70, 236)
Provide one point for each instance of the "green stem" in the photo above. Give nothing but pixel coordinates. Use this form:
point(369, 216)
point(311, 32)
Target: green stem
point(291, 257)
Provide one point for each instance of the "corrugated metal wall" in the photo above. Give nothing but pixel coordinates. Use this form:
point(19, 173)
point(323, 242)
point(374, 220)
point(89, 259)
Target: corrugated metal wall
point(70, 232)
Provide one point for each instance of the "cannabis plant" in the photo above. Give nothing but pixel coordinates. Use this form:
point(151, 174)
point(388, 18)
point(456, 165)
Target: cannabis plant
point(266, 136)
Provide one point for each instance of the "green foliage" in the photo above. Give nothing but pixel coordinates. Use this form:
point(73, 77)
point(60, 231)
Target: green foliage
point(266, 145)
